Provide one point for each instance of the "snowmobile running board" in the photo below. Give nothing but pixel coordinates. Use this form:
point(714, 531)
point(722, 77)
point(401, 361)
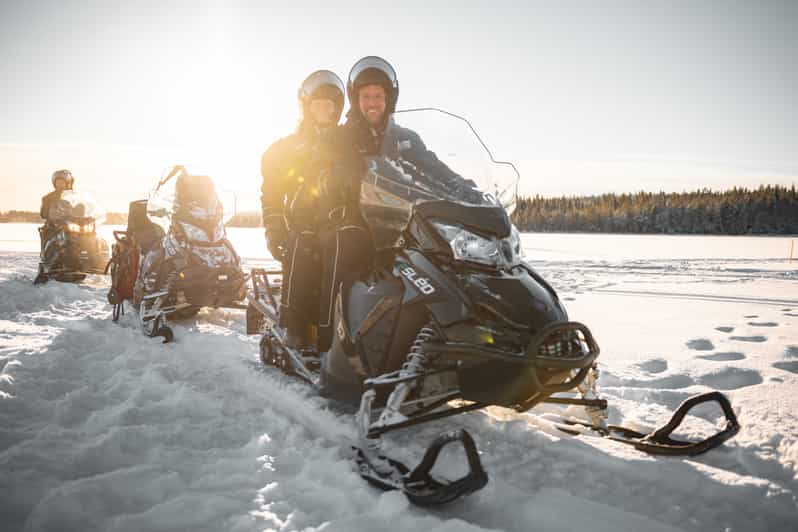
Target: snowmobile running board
point(659, 441)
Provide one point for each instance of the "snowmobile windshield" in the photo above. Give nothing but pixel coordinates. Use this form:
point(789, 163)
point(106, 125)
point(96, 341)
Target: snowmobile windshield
point(431, 155)
point(188, 195)
point(77, 206)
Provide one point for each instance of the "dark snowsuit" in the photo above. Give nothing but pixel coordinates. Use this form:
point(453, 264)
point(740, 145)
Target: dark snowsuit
point(301, 186)
point(47, 201)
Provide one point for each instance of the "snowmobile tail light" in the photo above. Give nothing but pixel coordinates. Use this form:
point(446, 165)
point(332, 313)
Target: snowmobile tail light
point(470, 247)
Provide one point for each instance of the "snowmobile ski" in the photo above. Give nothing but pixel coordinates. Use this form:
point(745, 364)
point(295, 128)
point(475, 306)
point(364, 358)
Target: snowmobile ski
point(419, 485)
point(659, 441)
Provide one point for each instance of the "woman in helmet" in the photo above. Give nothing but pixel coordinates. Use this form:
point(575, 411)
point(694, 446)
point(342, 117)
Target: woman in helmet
point(293, 169)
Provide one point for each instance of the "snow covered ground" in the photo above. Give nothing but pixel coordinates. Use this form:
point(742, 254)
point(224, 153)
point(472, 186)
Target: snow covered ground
point(102, 429)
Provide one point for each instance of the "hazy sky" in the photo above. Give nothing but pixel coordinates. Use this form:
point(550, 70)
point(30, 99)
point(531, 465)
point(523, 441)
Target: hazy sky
point(587, 97)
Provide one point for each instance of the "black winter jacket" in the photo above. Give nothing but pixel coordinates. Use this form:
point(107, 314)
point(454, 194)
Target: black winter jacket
point(406, 147)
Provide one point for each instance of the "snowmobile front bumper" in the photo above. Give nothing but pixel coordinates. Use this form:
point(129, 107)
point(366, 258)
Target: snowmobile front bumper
point(557, 359)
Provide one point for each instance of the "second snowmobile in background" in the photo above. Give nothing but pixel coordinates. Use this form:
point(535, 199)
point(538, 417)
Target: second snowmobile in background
point(70, 246)
point(175, 258)
point(449, 318)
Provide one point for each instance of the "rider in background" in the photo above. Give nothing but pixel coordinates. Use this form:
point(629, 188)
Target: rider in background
point(62, 180)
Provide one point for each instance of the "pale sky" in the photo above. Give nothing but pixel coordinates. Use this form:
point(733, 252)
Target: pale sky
point(586, 97)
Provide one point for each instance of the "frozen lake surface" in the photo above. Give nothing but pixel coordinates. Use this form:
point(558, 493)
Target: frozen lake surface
point(103, 429)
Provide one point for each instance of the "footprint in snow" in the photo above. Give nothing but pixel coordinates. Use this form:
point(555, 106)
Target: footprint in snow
point(786, 310)
point(763, 324)
point(700, 344)
point(725, 329)
point(731, 378)
point(791, 314)
point(791, 366)
point(751, 316)
point(755, 339)
point(792, 351)
point(569, 299)
point(655, 365)
point(776, 379)
point(725, 356)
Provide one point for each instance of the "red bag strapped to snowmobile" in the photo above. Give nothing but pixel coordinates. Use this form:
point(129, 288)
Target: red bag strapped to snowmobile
point(124, 266)
point(141, 234)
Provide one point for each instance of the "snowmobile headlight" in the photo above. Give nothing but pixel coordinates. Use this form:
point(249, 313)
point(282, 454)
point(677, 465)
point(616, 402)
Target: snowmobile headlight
point(470, 247)
point(74, 228)
point(194, 233)
point(219, 232)
point(88, 228)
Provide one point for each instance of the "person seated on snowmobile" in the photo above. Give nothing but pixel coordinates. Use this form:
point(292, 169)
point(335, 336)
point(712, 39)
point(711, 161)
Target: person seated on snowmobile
point(295, 199)
point(347, 246)
point(62, 180)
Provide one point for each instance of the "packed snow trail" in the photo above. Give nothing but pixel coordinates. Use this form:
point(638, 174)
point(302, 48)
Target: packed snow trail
point(103, 429)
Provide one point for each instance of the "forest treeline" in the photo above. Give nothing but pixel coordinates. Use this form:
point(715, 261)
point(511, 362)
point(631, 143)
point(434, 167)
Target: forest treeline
point(771, 209)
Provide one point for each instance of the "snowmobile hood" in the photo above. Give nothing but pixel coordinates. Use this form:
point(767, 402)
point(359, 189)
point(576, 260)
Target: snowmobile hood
point(486, 219)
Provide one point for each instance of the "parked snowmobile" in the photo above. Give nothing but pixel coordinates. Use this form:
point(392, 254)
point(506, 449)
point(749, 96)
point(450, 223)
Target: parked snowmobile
point(449, 319)
point(70, 246)
point(175, 258)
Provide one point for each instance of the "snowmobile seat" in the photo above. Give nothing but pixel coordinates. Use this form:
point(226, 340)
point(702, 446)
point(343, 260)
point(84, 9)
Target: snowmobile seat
point(147, 234)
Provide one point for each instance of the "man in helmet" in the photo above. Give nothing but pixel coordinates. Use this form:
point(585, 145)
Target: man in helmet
point(295, 199)
point(373, 90)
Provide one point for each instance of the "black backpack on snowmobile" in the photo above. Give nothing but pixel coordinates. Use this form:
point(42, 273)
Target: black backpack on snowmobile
point(70, 246)
point(449, 318)
point(183, 259)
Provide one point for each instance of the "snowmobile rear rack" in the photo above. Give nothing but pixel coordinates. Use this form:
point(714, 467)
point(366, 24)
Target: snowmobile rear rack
point(659, 441)
point(419, 485)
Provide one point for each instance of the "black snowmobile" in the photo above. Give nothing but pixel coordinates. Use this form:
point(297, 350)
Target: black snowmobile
point(449, 319)
point(70, 246)
point(175, 258)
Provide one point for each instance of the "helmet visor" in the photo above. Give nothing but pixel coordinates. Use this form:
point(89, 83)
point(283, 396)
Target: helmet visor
point(322, 84)
point(376, 63)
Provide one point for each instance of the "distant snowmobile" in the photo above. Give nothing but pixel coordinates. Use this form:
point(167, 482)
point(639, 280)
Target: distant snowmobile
point(70, 246)
point(450, 319)
point(175, 258)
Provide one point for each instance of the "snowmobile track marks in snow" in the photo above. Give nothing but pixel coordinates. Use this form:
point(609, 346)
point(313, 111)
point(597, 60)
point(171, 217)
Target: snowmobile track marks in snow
point(763, 324)
point(731, 378)
point(655, 365)
point(754, 339)
point(701, 344)
point(725, 329)
point(791, 366)
point(725, 356)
